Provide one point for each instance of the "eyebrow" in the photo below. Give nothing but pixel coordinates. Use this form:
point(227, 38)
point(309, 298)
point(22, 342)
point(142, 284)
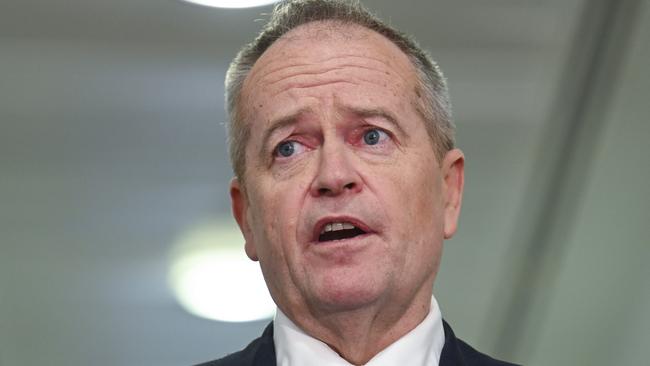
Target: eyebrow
point(377, 112)
point(279, 123)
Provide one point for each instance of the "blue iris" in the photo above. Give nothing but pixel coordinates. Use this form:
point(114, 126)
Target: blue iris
point(372, 137)
point(286, 149)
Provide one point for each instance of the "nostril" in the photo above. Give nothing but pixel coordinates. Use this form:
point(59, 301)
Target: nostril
point(335, 189)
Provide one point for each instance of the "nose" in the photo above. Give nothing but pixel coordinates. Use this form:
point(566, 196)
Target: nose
point(337, 173)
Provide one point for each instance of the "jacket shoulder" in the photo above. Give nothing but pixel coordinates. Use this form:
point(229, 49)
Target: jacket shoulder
point(260, 352)
point(456, 352)
point(475, 358)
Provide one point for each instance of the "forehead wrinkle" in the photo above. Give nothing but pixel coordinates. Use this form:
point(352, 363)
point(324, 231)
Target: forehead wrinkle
point(311, 68)
point(315, 84)
point(320, 77)
point(285, 85)
point(319, 62)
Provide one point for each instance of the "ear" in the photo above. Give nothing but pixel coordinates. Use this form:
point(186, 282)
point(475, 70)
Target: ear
point(239, 203)
point(453, 170)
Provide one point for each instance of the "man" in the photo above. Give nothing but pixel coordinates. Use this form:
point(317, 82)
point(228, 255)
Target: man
point(347, 183)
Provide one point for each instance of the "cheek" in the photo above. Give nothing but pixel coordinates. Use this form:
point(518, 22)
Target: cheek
point(424, 201)
point(262, 222)
point(277, 215)
point(424, 226)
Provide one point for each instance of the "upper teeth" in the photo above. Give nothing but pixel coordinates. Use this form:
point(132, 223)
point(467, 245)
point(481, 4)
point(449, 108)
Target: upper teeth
point(336, 226)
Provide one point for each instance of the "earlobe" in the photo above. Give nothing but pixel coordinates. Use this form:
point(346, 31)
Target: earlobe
point(454, 179)
point(239, 211)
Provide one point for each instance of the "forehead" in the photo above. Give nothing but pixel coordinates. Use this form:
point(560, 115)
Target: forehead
point(330, 38)
point(325, 50)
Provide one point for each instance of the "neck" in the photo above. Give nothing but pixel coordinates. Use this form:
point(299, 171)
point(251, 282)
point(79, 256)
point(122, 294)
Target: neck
point(358, 335)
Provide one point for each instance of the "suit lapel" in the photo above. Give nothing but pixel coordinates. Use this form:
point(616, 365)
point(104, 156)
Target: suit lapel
point(265, 353)
point(451, 354)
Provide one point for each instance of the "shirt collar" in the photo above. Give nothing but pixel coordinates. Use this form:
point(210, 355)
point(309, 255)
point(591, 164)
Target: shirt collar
point(421, 346)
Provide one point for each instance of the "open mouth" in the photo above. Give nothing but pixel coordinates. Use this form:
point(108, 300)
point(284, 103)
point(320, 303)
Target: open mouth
point(339, 231)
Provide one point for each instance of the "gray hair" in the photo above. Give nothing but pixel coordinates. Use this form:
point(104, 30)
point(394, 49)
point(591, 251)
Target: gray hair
point(288, 15)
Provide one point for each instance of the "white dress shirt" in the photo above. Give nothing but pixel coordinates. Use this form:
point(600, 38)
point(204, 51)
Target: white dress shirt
point(419, 347)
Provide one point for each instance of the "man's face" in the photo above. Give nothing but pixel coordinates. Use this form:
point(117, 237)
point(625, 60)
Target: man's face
point(344, 204)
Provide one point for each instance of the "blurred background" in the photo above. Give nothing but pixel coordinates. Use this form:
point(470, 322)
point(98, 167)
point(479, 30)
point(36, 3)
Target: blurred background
point(112, 151)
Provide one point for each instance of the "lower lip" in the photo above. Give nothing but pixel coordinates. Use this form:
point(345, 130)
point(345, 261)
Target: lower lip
point(346, 241)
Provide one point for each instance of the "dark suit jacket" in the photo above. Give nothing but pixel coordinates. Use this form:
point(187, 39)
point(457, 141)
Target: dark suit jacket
point(261, 352)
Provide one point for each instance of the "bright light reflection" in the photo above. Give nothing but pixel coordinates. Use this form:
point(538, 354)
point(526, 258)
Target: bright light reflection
point(213, 278)
point(232, 3)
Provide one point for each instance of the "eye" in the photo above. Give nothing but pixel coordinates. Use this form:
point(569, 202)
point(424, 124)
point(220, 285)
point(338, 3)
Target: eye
point(286, 149)
point(374, 136)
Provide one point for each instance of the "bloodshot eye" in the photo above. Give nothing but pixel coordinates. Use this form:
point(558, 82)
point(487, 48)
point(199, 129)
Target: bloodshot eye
point(374, 136)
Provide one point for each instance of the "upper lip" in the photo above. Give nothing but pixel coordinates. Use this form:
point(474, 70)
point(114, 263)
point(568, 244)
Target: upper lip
point(320, 224)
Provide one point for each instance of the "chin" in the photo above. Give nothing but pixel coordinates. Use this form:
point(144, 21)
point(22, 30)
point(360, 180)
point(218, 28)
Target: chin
point(347, 291)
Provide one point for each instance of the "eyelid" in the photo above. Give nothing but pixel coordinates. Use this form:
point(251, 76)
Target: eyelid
point(380, 130)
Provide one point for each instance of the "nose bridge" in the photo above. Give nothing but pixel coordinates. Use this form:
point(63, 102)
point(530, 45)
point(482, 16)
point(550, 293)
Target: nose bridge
point(336, 170)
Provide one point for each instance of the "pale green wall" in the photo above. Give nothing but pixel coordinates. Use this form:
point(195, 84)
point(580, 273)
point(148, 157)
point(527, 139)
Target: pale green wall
point(598, 313)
